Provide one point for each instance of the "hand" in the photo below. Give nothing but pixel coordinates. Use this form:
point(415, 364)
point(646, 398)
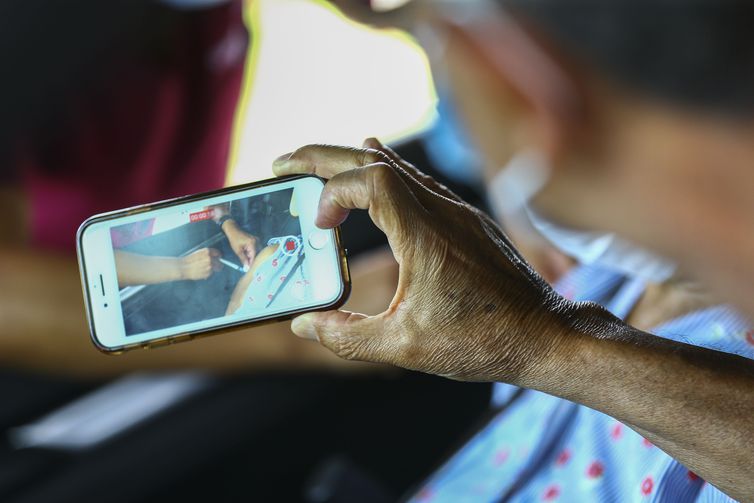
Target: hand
point(467, 305)
point(200, 264)
point(219, 211)
point(243, 244)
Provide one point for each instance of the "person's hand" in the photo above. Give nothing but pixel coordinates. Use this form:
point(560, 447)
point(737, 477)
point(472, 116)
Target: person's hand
point(467, 305)
point(243, 244)
point(200, 264)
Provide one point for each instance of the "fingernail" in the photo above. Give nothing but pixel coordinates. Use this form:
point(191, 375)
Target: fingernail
point(372, 142)
point(284, 167)
point(282, 158)
point(303, 326)
point(281, 165)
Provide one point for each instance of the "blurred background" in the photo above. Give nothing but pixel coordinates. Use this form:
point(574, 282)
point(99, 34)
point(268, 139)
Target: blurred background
point(310, 62)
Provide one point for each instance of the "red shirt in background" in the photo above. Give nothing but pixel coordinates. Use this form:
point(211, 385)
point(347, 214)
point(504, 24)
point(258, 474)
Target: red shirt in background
point(151, 131)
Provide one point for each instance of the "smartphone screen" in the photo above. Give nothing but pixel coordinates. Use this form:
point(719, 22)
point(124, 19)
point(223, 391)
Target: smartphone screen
point(201, 263)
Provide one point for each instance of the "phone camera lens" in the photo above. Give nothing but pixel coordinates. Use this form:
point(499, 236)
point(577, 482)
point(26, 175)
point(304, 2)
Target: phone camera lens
point(105, 304)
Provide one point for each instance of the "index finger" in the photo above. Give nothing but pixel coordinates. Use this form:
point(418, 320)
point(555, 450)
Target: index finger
point(325, 160)
point(413, 171)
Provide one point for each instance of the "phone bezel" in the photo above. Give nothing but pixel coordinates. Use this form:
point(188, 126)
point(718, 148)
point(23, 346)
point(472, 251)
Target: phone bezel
point(229, 326)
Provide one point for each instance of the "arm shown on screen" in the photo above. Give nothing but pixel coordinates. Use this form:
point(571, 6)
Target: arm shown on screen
point(135, 269)
point(236, 299)
point(243, 244)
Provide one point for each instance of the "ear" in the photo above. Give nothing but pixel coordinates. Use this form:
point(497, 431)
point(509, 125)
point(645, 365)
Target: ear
point(529, 98)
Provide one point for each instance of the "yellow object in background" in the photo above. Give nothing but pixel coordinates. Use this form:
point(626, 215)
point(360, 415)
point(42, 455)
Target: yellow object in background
point(314, 76)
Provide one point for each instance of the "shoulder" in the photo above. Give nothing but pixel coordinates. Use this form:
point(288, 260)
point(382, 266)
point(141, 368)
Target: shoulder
point(263, 256)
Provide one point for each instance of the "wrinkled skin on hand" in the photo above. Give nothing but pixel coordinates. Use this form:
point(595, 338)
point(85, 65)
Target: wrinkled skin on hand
point(467, 305)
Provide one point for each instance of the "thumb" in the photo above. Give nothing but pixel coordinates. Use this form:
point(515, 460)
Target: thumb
point(351, 336)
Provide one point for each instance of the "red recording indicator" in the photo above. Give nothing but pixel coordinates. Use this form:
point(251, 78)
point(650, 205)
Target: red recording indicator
point(202, 215)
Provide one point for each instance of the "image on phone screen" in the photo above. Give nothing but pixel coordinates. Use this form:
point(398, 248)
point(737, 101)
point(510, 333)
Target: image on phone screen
point(265, 270)
point(195, 266)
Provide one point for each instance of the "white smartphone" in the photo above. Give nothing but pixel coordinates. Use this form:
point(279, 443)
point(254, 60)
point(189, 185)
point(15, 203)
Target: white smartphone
point(167, 272)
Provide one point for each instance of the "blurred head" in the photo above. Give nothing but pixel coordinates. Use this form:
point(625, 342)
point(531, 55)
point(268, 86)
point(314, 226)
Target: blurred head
point(642, 110)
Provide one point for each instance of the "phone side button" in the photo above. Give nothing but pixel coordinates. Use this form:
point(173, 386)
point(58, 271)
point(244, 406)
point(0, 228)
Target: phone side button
point(346, 270)
point(156, 344)
point(180, 338)
point(166, 342)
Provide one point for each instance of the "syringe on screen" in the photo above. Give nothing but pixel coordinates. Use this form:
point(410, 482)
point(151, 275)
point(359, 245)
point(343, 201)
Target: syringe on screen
point(230, 264)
